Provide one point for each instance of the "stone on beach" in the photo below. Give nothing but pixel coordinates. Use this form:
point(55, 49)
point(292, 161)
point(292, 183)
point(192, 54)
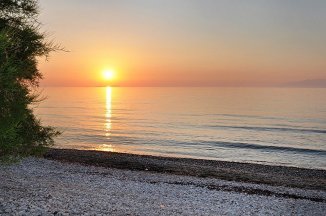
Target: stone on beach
point(44, 187)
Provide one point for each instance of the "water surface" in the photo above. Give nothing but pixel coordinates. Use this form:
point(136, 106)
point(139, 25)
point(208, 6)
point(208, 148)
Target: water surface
point(276, 126)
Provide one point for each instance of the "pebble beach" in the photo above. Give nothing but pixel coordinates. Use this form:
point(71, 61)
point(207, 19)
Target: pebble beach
point(38, 186)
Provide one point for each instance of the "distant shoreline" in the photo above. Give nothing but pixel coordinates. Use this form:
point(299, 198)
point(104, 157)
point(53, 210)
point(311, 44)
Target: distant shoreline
point(233, 171)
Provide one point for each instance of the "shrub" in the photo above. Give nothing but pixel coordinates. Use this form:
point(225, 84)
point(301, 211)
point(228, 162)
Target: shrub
point(21, 43)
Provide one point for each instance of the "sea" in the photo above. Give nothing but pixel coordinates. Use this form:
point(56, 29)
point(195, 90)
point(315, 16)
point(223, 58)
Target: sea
point(276, 126)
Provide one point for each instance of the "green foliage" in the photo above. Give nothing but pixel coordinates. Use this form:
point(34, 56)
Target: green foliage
point(21, 43)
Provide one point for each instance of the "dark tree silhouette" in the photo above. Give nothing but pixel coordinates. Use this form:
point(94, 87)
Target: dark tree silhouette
point(21, 43)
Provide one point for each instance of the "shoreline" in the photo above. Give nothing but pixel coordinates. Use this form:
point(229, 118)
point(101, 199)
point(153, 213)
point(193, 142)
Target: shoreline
point(303, 178)
point(38, 186)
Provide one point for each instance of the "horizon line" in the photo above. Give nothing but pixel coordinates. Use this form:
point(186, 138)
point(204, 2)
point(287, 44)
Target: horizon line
point(179, 86)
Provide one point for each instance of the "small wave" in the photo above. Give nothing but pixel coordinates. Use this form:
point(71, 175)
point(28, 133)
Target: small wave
point(308, 130)
point(265, 147)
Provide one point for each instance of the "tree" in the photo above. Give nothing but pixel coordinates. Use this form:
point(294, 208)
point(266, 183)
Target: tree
point(21, 43)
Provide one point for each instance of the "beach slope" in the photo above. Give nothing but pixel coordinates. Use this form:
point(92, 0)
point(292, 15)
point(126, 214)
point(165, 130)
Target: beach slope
point(45, 187)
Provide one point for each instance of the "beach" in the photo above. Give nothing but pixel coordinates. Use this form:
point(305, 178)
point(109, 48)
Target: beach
point(162, 108)
point(73, 182)
point(231, 171)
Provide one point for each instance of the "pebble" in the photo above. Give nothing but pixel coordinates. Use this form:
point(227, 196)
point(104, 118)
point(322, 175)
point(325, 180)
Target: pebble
point(43, 187)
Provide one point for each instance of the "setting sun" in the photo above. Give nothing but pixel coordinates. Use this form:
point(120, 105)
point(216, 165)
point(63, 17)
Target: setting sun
point(108, 74)
point(164, 106)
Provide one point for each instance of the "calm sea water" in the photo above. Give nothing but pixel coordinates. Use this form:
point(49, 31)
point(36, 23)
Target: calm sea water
point(259, 125)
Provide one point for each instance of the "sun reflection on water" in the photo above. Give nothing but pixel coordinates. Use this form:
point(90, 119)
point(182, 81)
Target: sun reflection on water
point(106, 147)
point(108, 112)
point(108, 121)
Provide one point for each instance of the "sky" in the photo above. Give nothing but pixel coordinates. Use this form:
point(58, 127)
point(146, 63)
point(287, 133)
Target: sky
point(184, 42)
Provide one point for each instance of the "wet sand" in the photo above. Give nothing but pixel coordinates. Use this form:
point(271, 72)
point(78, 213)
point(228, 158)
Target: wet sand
point(231, 171)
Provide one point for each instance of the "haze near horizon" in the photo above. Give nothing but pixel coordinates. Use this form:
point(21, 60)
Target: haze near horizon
point(185, 43)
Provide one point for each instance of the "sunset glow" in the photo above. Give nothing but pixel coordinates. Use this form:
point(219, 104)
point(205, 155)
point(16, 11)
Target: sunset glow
point(255, 44)
point(139, 107)
point(108, 75)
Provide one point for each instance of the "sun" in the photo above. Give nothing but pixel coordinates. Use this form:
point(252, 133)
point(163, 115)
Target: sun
point(108, 75)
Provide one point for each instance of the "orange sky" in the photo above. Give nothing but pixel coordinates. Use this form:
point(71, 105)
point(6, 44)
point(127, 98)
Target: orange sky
point(185, 42)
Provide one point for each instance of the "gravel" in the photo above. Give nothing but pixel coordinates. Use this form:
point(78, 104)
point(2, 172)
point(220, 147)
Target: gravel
point(231, 171)
point(43, 187)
